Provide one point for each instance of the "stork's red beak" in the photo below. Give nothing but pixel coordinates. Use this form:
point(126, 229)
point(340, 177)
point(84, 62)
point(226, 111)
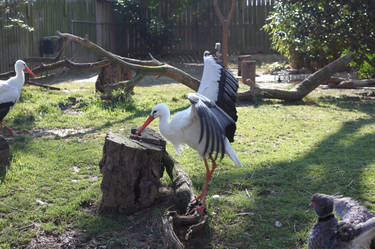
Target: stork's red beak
point(30, 72)
point(148, 121)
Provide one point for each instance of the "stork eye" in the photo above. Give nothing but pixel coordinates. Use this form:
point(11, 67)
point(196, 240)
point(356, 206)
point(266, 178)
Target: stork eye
point(154, 112)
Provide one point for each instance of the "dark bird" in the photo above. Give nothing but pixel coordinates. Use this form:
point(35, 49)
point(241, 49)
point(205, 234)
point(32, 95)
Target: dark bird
point(209, 124)
point(10, 91)
point(356, 230)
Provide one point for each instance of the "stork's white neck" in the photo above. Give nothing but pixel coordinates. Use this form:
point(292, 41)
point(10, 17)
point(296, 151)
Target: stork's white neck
point(164, 123)
point(19, 79)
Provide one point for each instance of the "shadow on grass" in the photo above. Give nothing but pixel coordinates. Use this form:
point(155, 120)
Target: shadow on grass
point(339, 164)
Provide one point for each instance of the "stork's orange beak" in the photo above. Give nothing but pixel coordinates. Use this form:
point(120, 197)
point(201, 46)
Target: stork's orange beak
point(30, 72)
point(148, 121)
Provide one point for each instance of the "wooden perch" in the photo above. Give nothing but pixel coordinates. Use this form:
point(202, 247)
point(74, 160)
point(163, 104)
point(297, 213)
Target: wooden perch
point(152, 67)
point(305, 87)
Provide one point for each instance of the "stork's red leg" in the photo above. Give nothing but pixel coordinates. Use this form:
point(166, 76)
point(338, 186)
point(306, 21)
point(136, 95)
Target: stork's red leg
point(2, 128)
point(209, 173)
point(208, 176)
point(10, 130)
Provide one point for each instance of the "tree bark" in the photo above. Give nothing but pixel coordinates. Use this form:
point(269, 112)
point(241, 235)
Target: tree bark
point(305, 87)
point(131, 171)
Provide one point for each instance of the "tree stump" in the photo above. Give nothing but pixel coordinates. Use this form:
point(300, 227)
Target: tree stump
point(4, 151)
point(112, 74)
point(248, 71)
point(241, 58)
point(131, 172)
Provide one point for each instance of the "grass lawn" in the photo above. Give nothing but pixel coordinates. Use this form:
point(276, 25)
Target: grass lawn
point(51, 185)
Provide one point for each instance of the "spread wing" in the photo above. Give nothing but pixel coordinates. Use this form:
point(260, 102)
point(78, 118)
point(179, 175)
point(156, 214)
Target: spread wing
point(213, 123)
point(220, 86)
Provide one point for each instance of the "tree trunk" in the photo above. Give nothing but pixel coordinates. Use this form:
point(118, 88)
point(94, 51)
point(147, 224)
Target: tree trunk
point(226, 24)
point(112, 73)
point(248, 72)
point(131, 172)
point(241, 58)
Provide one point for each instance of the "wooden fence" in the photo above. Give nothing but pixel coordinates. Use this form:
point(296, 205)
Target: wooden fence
point(46, 16)
point(197, 29)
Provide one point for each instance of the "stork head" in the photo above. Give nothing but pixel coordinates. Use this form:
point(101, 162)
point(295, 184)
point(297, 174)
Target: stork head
point(20, 65)
point(206, 53)
point(160, 110)
point(322, 204)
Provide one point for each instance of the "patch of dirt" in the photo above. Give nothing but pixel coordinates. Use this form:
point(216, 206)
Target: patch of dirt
point(141, 230)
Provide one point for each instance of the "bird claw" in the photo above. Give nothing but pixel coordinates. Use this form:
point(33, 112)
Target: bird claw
point(196, 206)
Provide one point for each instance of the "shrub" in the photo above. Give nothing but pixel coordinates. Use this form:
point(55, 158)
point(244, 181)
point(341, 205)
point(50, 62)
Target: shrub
point(321, 31)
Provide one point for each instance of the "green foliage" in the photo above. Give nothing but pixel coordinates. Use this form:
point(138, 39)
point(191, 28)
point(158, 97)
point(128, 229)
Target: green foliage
point(11, 14)
point(156, 32)
point(322, 31)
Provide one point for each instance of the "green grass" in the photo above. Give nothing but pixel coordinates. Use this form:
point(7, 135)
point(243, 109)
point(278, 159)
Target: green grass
point(288, 151)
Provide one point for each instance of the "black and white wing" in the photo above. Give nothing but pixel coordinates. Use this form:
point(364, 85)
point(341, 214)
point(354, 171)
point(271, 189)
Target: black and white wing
point(4, 109)
point(213, 123)
point(220, 86)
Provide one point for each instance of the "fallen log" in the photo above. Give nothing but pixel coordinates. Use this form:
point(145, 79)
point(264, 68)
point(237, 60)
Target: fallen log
point(303, 88)
point(353, 83)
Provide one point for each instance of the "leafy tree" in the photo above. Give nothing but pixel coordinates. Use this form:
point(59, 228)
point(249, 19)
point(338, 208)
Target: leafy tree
point(11, 14)
point(323, 30)
point(156, 31)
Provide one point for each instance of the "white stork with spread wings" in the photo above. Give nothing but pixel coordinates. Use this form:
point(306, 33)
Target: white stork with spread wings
point(209, 124)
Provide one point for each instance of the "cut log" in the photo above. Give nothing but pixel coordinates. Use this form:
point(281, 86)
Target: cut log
point(248, 72)
point(131, 173)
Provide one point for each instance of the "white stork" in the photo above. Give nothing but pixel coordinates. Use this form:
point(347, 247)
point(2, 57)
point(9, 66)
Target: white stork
point(208, 125)
point(10, 91)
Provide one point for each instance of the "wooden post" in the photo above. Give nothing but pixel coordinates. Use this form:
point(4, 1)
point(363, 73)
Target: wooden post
point(225, 23)
point(131, 172)
point(248, 71)
point(241, 58)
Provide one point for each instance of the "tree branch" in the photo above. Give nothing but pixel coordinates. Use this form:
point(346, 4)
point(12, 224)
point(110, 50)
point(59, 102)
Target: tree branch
point(218, 12)
point(152, 67)
point(305, 87)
